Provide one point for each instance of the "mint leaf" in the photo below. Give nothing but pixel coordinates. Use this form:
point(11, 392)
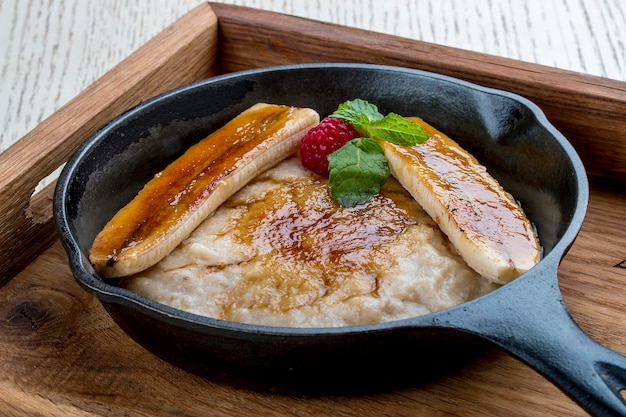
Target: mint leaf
point(359, 113)
point(357, 171)
point(397, 130)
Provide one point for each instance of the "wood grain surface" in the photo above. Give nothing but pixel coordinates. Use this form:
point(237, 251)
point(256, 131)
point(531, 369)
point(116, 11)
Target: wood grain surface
point(61, 354)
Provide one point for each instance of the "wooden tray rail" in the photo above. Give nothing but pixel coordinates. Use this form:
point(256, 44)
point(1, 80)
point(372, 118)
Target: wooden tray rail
point(43, 311)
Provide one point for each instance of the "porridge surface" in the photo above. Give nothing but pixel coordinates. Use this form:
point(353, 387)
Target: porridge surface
point(282, 252)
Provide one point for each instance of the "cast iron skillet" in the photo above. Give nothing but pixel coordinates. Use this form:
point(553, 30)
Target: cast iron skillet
point(507, 133)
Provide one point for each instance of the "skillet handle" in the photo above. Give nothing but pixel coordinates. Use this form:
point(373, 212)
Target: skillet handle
point(531, 321)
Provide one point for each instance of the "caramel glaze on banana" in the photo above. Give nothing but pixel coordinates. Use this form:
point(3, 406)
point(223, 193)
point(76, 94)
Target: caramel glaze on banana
point(482, 220)
point(179, 198)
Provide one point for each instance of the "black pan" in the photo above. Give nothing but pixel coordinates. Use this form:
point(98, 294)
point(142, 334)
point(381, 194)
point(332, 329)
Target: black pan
point(507, 133)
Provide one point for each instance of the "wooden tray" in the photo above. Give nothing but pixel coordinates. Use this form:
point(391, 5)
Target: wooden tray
point(61, 355)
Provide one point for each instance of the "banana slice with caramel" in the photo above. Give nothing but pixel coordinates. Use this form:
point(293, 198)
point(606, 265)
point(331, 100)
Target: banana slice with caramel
point(173, 203)
point(489, 230)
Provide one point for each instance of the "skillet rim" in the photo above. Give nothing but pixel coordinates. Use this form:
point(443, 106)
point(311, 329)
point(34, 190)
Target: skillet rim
point(108, 293)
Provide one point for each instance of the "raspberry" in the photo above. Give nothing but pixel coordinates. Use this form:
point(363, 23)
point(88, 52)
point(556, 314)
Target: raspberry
point(322, 140)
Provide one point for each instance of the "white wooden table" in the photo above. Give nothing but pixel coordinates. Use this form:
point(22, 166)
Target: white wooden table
point(50, 50)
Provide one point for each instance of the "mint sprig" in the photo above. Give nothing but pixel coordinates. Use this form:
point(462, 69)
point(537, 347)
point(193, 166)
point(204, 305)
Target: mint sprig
point(369, 122)
point(358, 169)
point(359, 113)
point(397, 130)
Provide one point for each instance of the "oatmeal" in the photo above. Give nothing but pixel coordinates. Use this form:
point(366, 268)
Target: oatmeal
point(282, 252)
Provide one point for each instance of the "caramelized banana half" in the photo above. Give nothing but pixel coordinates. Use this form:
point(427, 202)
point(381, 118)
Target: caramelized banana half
point(489, 230)
point(179, 198)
